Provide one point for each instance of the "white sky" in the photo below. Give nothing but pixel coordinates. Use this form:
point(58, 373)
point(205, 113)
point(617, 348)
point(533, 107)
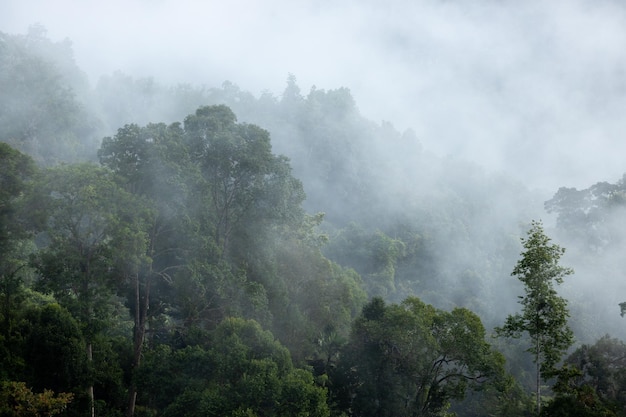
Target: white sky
point(535, 88)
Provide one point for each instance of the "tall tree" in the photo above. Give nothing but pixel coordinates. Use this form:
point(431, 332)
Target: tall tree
point(17, 170)
point(86, 226)
point(244, 179)
point(544, 313)
point(412, 359)
point(150, 162)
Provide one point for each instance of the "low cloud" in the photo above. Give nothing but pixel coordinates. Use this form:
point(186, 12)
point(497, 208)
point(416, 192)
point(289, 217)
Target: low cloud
point(536, 89)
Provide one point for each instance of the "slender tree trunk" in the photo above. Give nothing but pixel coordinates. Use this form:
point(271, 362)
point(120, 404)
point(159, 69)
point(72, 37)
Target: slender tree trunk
point(538, 390)
point(538, 365)
point(132, 395)
point(142, 301)
point(87, 317)
point(92, 400)
point(132, 401)
point(141, 312)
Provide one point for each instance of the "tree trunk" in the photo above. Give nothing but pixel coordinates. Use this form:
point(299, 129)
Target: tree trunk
point(139, 331)
point(538, 365)
point(87, 309)
point(92, 401)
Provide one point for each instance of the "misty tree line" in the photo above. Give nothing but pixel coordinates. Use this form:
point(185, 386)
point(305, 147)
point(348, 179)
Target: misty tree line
point(177, 266)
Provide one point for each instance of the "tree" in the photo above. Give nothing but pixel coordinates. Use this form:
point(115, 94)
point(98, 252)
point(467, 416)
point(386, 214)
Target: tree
point(412, 359)
point(374, 255)
point(318, 298)
point(591, 217)
point(17, 169)
point(40, 113)
point(245, 181)
point(53, 350)
point(152, 164)
point(592, 221)
point(17, 400)
point(581, 402)
point(132, 260)
point(90, 228)
point(544, 314)
point(593, 381)
point(217, 192)
point(15, 175)
point(240, 369)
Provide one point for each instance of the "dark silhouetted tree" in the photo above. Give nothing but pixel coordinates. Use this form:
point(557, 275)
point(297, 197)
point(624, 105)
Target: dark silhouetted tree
point(412, 359)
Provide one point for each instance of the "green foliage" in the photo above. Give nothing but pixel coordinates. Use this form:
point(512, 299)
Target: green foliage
point(544, 314)
point(87, 220)
point(592, 381)
point(53, 350)
point(17, 170)
point(247, 184)
point(412, 359)
point(242, 371)
point(197, 222)
point(505, 397)
point(374, 255)
point(16, 174)
point(93, 241)
point(17, 400)
point(582, 403)
point(318, 299)
point(110, 370)
point(230, 225)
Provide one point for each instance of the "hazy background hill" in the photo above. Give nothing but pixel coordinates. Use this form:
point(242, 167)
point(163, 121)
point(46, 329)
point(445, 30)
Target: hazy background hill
point(532, 88)
point(408, 220)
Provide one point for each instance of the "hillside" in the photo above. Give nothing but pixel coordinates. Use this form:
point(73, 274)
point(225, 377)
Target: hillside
point(163, 225)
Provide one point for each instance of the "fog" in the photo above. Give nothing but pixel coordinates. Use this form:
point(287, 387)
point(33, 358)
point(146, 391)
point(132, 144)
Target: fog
point(534, 88)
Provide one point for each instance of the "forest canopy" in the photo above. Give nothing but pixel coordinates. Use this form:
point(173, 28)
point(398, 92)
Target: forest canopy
point(169, 250)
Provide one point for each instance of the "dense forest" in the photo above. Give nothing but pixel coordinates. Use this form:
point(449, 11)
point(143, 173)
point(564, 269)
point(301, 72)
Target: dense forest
point(200, 251)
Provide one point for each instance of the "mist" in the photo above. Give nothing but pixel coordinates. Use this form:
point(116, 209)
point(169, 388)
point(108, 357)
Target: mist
point(426, 135)
point(532, 92)
point(533, 89)
point(508, 97)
